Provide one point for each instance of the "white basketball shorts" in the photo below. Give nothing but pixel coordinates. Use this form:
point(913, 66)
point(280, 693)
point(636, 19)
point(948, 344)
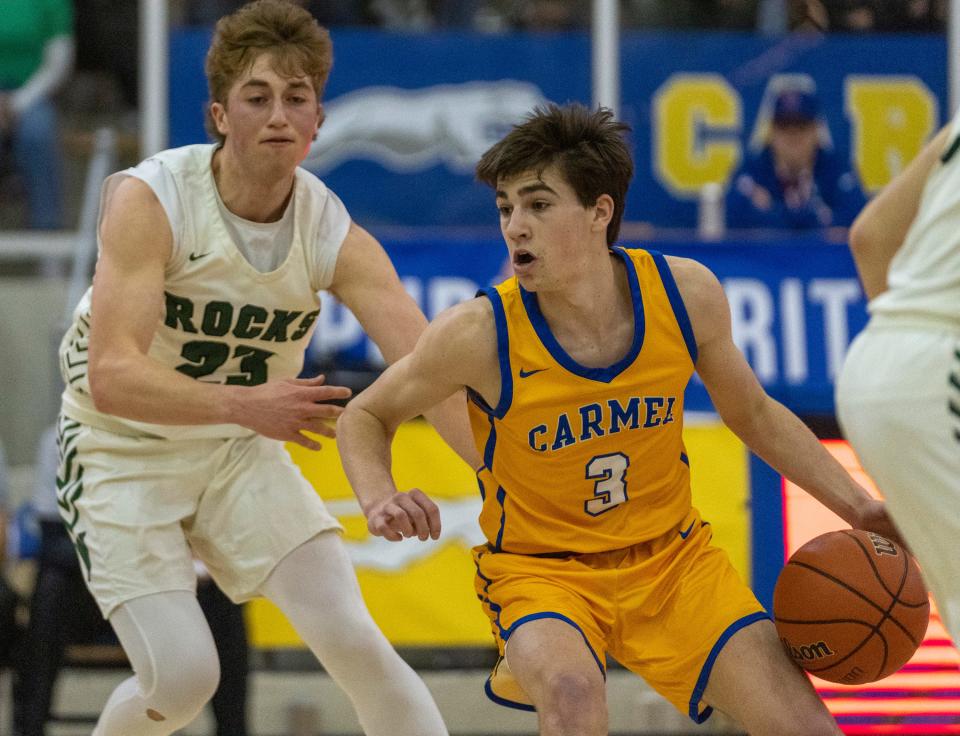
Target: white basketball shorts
point(139, 508)
point(898, 403)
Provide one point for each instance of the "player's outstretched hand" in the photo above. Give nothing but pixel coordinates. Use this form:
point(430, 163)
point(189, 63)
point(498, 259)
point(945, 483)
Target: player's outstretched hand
point(874, 518)
point(403, 515)
point(282, 410)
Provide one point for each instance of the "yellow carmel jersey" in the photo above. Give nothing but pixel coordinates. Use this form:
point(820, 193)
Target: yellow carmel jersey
point(581, 459)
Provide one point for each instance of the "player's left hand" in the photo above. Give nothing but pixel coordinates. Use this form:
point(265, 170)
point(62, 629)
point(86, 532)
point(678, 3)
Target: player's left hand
point(873, 517)
point(405, 515)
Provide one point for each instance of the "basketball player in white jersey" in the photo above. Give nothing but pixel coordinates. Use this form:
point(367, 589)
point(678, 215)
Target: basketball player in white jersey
point(898, 395)
point(181, 386)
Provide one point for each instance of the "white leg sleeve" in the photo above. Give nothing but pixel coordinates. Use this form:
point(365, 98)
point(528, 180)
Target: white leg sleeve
point(175, 662)
point(316, 588)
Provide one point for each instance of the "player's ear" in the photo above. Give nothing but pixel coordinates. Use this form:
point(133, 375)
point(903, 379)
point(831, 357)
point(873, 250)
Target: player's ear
point(602, 212)
point(218, 114)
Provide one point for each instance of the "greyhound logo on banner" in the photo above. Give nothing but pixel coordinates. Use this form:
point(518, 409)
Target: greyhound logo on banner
point(410, 130)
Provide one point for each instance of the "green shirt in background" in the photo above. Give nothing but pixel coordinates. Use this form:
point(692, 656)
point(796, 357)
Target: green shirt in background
point(25, 28)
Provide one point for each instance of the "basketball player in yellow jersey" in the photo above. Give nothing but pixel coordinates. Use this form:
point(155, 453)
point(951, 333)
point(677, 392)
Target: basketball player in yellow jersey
point(576, 370)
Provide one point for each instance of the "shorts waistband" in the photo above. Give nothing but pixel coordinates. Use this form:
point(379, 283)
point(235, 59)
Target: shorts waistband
point(649, 546)
point(914, 320)
point(541, 555)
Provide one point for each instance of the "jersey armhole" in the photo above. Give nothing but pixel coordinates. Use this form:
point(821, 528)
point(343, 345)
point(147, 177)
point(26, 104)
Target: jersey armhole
point(327, 227)
point(165, 189)
point(503, 357)
point(676, 302)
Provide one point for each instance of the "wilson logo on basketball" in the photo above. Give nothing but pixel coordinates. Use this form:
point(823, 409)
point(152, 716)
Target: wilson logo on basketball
point(882, 545)
point(807, 652)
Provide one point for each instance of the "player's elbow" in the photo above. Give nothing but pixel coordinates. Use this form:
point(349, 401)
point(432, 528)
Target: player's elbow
point(99, 389)
point(357, 413)
point(867, 230)
point(748, 418)
point(103, 379)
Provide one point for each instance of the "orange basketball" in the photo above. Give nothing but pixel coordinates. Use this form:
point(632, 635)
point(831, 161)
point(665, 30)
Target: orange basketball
point(851, 607)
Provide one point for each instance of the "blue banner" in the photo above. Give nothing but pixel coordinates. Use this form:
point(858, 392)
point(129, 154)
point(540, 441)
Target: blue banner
point(795, 306)
point(409, 115)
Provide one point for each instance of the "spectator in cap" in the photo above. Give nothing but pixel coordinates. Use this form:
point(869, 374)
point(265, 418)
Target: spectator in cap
point(794, 183)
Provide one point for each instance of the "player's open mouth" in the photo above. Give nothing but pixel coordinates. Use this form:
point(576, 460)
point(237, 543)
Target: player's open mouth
point(277, 141)
point(523, 258)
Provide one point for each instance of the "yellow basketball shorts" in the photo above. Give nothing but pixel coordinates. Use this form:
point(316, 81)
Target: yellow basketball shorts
point(663, 609)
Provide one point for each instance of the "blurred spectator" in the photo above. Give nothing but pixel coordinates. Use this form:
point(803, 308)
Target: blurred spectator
point(108, 42)
point(550, 15)
point(339, 12)
point(9, 628)
point(402, 15)
point(865, 16)
point(807, 15)
point(856, 16)
point(62, 611)
point(36, 57)
point(691, 14)
point(327, 12)
point(203, 14)
point(415, 15)
point(794, 183)
point(922, 16)
point(393, 14)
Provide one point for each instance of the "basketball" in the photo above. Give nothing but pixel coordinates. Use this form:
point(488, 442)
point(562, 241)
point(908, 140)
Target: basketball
point(851, 607)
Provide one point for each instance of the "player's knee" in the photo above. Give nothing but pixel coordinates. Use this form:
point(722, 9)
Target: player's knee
point(574, 698)
point(184, 687)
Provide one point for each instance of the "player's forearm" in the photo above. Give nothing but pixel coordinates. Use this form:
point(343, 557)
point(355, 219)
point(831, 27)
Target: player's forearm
point(364, 445)
point(137, 387)
point(452, 423)
point(790, 448)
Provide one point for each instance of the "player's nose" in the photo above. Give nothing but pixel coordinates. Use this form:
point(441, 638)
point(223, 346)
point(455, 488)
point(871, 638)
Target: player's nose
point(516, 227)
point(278, 114)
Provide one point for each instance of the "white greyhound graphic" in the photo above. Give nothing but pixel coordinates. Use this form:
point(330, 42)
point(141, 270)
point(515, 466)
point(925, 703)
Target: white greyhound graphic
point(408, 130)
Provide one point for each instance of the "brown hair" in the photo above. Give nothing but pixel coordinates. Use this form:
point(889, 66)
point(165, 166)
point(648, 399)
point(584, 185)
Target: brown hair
point(587, 146)
point(299, 46)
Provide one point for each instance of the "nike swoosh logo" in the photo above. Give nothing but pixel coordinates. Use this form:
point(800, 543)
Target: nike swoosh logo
point(527, 374)
point(684, 535)
point(198, 256)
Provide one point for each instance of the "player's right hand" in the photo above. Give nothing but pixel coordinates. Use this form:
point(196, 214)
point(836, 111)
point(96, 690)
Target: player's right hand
point(404, 515)
point(283, 410)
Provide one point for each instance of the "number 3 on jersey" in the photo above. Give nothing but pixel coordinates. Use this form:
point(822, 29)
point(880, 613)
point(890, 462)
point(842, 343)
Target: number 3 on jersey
point(610, 487)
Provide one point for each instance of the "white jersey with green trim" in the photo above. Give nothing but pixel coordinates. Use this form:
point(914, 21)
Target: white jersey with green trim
point(222, 320)
point(924, 275)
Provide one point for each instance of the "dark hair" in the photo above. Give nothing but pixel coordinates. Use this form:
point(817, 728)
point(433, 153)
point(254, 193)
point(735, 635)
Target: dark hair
point(587, 146)
point(299, 45)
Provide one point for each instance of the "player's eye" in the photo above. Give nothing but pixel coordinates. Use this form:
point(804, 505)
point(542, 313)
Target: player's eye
point(504, 210)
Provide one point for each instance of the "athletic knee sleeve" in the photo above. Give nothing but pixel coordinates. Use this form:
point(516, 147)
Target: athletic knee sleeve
point(173, 655)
